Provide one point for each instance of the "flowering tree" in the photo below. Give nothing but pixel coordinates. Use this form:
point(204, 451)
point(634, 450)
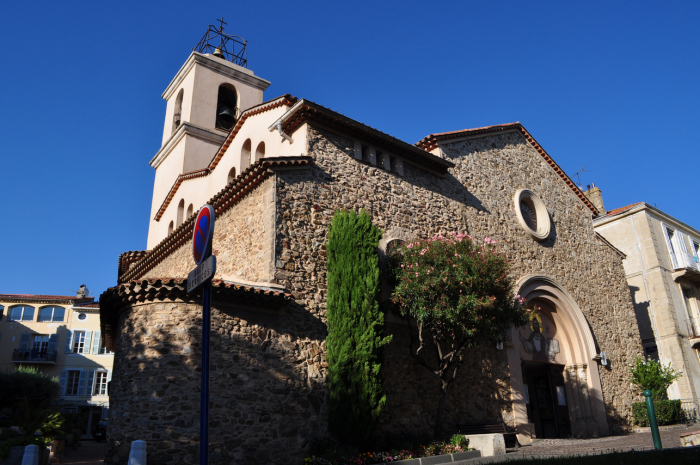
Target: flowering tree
point(460, 295)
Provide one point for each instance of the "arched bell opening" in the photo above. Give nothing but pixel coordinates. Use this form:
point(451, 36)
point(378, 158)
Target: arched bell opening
point(554, 371)
point(226, 107)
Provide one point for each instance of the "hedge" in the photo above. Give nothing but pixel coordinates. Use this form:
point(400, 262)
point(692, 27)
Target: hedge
point(667, 412)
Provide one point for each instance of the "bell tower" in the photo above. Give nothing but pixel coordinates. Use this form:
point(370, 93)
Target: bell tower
point(204, 101)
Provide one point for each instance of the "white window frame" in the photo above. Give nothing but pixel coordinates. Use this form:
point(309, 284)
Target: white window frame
point(21, 317)
point(70, 393)
point(79, 343)
point(40, 342)
point(104, 374)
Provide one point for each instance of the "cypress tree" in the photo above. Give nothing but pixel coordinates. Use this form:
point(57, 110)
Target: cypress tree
point(355, 327)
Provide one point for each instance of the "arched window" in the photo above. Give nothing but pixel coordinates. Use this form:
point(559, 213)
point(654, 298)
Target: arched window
point(245, 154)
point(51, 314)
point(177, 115)
point(231, 175)
point(180, 213)
point(226, 107)
point(190, 210)
point(260, 151)
point(21, 313)
point(170, 228)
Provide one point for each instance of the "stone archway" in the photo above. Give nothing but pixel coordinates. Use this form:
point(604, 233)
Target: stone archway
point(558, 341)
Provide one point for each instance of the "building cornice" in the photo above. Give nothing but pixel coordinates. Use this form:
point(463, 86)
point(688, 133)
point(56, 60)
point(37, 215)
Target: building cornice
point(212, 136)
point(218, 65)
point(619, 213)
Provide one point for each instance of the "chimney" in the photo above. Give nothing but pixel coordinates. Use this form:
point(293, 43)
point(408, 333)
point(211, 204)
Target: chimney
point(595, 196)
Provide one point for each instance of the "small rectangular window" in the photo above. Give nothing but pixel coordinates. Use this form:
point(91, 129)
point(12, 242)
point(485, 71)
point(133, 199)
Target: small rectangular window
point(79, 342)
point(72, 382)
point(100, 383)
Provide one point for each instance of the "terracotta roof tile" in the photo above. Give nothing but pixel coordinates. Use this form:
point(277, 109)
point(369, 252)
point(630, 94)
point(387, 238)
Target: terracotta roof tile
point(45, 298)
point(430, 142)
point(617, 211)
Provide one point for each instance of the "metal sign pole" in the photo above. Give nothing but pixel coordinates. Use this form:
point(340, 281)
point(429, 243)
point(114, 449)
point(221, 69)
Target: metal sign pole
point(201, 276)
point(204, 416)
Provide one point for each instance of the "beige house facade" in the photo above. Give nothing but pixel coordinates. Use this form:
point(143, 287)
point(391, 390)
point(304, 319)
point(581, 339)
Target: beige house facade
point(662, 267)
point(60, 336)
point(281, 170)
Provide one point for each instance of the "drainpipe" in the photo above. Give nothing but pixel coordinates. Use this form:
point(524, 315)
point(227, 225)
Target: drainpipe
point(279, 129)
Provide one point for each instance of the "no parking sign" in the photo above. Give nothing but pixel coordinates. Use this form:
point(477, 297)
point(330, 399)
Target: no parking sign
point(201, 249)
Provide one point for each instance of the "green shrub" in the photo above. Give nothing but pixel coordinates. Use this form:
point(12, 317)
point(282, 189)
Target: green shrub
point(667, 412)
point(21, 441)
point(458, 440)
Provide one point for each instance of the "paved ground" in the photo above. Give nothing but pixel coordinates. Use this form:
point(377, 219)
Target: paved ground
point(89, 452)
point(566, 447)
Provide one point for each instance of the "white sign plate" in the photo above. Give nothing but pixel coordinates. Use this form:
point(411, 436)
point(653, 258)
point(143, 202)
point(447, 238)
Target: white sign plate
point(203, 273)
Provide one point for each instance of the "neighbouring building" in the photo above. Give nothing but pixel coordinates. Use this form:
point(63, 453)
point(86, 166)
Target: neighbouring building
point(60, 336)
point(663, 275)
point(275, 172)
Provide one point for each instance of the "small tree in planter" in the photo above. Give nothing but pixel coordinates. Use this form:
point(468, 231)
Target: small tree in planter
point(460, 295)
point(655, 377)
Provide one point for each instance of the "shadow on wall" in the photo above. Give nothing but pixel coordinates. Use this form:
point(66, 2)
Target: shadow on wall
point(480, 393)
point(641, 313)
point(267, 380)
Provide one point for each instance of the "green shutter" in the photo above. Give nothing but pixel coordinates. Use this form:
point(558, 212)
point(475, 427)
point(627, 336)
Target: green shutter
point(62, 382)
point(69, 339)
point(24, 342)
point(53, 343)
point(96, 343)
point(81, 383)
point(90, 379)
point(88, 341)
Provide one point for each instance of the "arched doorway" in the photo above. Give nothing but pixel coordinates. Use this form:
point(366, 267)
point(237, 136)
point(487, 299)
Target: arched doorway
point(554, 367)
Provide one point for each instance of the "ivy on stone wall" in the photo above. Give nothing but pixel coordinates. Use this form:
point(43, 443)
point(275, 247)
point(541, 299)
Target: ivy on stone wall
point(355, 327)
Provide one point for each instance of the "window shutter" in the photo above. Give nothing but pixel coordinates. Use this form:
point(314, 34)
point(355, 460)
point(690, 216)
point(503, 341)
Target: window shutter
point(69, 339)
point(81, 383)
point(687, 257)
point(96, 343)
point(62, 383)
point(24, 341)
point(88, 340)
point(670, 247)
point(53, 342)
point(91, 377)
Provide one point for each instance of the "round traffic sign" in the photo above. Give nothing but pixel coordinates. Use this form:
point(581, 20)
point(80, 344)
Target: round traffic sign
point(203, 234)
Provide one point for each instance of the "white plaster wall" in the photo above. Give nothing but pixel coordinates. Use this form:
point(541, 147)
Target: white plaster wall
point(187, 85)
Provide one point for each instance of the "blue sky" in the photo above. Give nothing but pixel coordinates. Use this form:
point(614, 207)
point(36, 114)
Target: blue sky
point(609, 86)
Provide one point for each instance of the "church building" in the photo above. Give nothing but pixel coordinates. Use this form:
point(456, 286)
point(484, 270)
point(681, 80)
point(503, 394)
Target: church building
point(275, 171)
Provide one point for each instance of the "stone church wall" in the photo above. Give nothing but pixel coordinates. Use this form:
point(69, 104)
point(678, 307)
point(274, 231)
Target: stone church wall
point(264, 407)
point(243, 241)
point(475, 197)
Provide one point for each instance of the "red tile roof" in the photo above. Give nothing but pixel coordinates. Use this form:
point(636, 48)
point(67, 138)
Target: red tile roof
point(45, 298)
point(430, 142)
point(617, 211)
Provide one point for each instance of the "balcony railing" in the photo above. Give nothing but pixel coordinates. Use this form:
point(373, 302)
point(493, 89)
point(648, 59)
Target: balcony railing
point(691, 410)
point(693, 326)
point(33, 356)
